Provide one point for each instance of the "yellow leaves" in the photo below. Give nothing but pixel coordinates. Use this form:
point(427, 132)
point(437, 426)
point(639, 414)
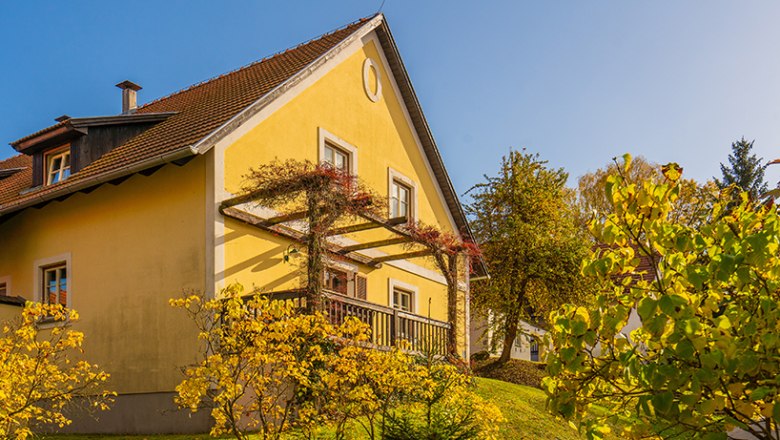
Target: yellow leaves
point(39, 378)
point(262, 350)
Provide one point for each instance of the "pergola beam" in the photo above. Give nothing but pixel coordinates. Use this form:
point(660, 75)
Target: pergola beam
point(374, 244)
point(291, 234)
point(353, 228)
point(403, 256)
point(286, 218)
point(372, 223)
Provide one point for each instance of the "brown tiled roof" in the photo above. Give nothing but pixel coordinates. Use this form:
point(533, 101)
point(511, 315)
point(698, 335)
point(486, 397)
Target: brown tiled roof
point(11, 185)
point(201, 109)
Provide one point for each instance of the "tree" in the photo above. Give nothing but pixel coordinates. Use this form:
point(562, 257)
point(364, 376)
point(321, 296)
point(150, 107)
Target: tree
point(693, 204)
point(40, 377)
point(704, 358)
point(525, 224)
point(745, 170)
point(590, 195)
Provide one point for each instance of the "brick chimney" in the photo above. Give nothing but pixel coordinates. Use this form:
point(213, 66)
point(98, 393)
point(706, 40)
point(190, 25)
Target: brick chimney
point(129, 99)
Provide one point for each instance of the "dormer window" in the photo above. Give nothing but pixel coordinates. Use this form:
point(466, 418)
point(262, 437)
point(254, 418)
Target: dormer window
point(57, 166)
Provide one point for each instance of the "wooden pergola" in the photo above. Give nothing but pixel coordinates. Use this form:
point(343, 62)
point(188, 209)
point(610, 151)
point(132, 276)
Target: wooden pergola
point(276, 226)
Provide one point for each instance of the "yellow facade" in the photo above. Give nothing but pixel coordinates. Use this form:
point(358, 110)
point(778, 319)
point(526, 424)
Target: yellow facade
point(130, 247)
point(383, 139)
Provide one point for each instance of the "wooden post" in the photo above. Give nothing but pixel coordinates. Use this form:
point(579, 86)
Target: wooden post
point(394, 325)
point(452, 304)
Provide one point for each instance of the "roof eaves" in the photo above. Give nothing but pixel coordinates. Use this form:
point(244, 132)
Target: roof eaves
point(426, 137)
point(133, 118)
point(71, 187)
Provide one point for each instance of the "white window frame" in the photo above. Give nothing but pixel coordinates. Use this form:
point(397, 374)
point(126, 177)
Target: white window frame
point(49, 158)
point(392, 284)
point(394, 175)
point(7, 281)
point(325, 137)
point(39, 266)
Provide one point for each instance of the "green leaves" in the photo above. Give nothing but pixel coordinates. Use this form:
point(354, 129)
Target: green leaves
point(700, 354)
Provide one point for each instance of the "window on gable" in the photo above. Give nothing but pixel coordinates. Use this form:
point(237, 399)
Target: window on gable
point(400, 200)
point(57, 166)
point(336, 157)
point(55, 284)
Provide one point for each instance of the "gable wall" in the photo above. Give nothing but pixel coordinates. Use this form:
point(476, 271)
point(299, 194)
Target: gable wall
point(380, 131)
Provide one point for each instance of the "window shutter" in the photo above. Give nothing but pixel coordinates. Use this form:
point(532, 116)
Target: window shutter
point(361, 287)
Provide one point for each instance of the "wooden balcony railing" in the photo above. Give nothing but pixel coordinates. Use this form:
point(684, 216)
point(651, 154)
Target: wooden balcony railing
point(388, 326)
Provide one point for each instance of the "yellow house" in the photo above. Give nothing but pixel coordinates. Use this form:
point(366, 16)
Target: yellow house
point(114, 215)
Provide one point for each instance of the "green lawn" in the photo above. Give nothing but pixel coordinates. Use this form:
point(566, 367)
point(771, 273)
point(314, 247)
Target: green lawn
point(522, 406)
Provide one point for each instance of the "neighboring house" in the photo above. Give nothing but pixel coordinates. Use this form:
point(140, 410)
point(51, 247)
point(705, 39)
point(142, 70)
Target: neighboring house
point(114, 215)
point(528, 345)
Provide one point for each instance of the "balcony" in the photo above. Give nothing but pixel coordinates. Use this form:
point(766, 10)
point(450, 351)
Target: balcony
point(388, 326)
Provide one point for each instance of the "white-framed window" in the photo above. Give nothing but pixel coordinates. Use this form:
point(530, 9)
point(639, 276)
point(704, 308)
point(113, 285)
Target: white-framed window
point(336, 157)
point(54, 280)
point(55, 284)
point(337, 152)
point(402, 195)
point(402, 296)
point(57, 166)
point(400, 200)
point(402, 299)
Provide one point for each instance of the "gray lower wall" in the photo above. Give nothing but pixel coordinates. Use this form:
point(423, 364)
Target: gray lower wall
point(148, 413)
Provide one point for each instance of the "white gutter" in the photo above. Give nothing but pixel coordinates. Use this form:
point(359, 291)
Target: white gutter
point(101, 178)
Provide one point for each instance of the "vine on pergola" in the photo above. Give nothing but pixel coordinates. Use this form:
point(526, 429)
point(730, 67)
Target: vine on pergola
point(445, 248)
point(322, 194)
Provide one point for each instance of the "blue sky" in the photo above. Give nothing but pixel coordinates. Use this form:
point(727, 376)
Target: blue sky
point(578, 82)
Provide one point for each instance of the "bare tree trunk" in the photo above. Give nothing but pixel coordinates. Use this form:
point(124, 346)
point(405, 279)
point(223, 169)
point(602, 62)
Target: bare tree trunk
point(510, 334)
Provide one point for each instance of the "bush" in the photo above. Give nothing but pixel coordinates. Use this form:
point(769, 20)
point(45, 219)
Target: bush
point(514, 371)
point(39, 378)
point(268, 368)
point(480, 356)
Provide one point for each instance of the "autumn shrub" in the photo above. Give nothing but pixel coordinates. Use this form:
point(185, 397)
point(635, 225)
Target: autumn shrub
point(443, 406)
point(268, 368)
point(41, 374)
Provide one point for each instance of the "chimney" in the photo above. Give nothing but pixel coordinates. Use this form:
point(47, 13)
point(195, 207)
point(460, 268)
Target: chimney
point(129, 101)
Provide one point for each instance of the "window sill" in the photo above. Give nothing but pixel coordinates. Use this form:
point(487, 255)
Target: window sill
point(49, 323)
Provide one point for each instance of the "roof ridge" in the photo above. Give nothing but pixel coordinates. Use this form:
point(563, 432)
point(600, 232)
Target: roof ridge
point(256, 62)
